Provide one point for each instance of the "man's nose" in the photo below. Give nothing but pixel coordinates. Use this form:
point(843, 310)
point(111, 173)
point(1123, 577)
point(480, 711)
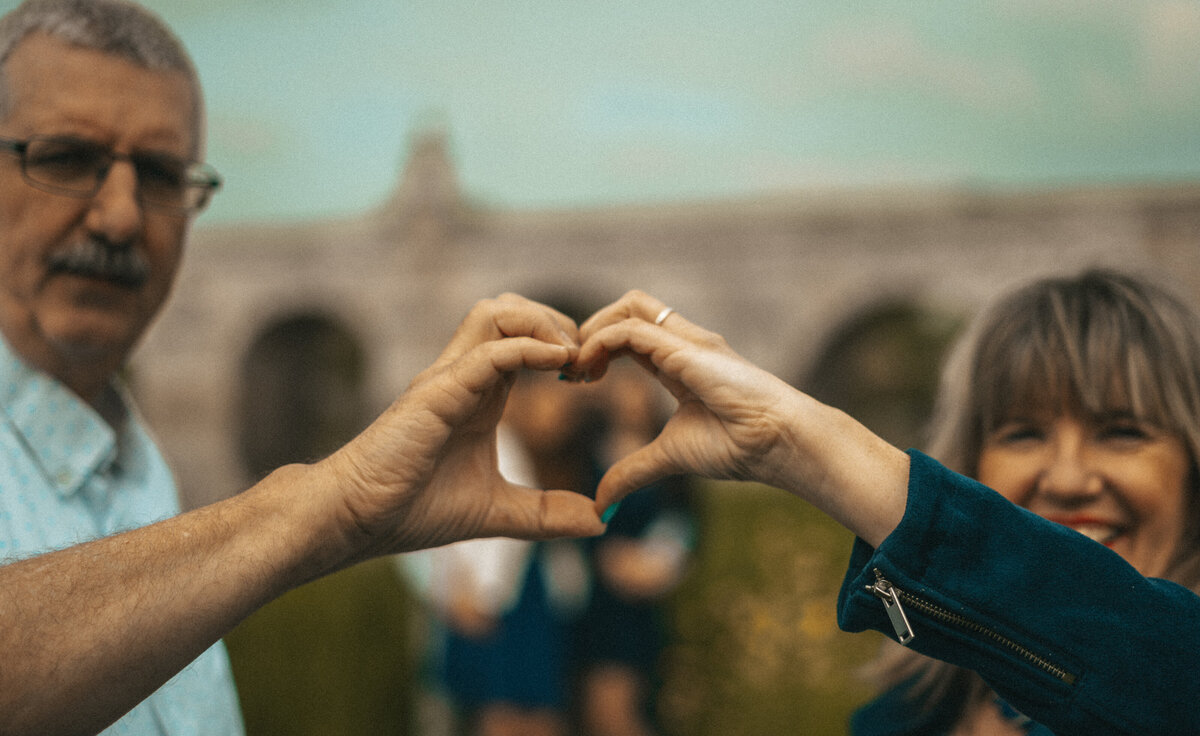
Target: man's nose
point(115, 210)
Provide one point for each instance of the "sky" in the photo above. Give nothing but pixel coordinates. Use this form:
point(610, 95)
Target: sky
point(563, 104)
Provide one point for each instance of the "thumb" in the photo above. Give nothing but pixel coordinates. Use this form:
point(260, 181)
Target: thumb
point(636, 470)
point(529, 513)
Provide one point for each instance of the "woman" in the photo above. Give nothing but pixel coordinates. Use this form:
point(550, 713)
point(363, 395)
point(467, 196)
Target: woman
point(1076, 398)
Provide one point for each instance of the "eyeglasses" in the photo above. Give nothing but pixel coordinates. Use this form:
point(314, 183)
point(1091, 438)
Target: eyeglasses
point(77, 168)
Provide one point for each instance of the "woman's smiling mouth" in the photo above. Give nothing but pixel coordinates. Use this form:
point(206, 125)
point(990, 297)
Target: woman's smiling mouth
point(1097, 530)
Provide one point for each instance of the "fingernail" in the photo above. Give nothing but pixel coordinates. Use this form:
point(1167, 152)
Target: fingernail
point(610, 512)
point(570, 373)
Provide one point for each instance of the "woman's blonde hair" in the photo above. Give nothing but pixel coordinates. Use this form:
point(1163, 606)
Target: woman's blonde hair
point(1090, 344)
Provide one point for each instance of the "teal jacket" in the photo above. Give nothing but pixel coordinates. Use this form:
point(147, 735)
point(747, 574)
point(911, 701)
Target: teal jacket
point(1059, 626)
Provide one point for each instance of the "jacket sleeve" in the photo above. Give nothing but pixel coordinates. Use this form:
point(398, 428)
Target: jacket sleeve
point(1060, 626)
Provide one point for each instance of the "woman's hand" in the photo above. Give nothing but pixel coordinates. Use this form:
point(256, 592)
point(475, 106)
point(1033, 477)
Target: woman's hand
point(722, 427)
point(425, 473)
point(737, 421)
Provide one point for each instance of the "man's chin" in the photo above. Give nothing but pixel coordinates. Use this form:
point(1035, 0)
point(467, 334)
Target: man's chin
point(95, 314)
point(92, 335)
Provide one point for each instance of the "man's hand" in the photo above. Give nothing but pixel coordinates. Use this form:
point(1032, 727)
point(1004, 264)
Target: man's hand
point(425, 473)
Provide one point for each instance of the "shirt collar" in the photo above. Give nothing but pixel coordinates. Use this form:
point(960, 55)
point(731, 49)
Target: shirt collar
point(69, 439)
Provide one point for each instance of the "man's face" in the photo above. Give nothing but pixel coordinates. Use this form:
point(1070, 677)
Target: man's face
point(56, 316)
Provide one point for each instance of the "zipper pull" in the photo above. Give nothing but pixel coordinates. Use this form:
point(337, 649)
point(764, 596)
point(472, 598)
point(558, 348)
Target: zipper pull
point(886, 592)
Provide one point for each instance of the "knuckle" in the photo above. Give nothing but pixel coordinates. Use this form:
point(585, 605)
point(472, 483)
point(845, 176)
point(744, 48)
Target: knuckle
point(711, 340)
point(484, 306)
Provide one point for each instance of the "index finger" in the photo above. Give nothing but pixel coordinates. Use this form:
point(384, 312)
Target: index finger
point(511, 315)
point(637, 309)
point(633, 304)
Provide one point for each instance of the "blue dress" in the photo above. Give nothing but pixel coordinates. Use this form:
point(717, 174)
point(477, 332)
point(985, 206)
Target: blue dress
point(523, 662)
point(614, 629)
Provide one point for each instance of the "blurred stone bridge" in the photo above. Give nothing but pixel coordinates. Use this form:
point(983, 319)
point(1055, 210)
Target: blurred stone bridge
point(281, 340)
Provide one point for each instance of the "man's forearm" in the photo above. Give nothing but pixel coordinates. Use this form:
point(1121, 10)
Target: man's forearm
point(90, 631)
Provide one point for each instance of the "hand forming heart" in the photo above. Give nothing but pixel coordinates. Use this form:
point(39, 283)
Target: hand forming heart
point(426, 472)
point(735, 420)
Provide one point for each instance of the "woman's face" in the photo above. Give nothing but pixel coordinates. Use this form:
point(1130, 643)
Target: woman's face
point(1116, 479)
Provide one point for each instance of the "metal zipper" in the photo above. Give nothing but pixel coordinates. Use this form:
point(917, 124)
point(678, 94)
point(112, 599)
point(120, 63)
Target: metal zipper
point(892, 598)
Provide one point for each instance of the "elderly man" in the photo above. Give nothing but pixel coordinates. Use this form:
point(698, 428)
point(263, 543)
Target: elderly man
point(100, 142)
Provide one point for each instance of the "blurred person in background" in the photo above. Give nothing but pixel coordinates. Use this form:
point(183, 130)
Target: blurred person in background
point(503, 610)
point(635, 566)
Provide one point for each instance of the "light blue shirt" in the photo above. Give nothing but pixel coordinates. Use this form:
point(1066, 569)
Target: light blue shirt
point(67, 477)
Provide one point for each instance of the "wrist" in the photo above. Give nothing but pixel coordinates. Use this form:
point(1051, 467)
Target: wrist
point(841, 467)
point(291, 507)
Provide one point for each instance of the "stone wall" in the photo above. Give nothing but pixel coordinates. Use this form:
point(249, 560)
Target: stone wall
point(778, 275)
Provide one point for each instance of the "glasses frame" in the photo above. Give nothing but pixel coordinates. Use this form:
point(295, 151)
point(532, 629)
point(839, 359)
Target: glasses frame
point(202, 179)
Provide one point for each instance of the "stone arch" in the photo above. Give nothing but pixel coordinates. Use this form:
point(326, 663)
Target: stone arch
point(301, 391)
point(881, 366)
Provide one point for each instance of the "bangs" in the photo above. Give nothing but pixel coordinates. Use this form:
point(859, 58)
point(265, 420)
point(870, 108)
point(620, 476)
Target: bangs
point(1084, 355)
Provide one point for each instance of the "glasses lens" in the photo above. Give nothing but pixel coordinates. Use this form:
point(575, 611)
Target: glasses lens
point(173, 183)
point(162, 180)
point(202, 181)
point(78, 167)
point(66, 164)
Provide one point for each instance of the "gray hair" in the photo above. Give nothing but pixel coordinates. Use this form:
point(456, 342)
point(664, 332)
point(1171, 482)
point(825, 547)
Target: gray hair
point(1092, 343)
point(117, 27)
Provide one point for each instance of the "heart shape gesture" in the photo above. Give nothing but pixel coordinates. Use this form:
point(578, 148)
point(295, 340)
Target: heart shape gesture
point(425, 473)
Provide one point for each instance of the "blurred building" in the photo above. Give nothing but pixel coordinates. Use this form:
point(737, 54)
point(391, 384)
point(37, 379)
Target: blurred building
point(282, 340)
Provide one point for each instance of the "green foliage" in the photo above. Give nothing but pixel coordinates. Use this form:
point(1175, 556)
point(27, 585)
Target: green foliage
point(757, 649)
point(331, 658)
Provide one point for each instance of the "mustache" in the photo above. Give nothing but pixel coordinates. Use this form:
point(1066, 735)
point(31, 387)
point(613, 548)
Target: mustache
point(96, 258)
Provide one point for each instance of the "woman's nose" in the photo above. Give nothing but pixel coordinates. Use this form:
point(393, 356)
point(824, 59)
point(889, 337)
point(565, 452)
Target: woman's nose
point(1069, 477)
